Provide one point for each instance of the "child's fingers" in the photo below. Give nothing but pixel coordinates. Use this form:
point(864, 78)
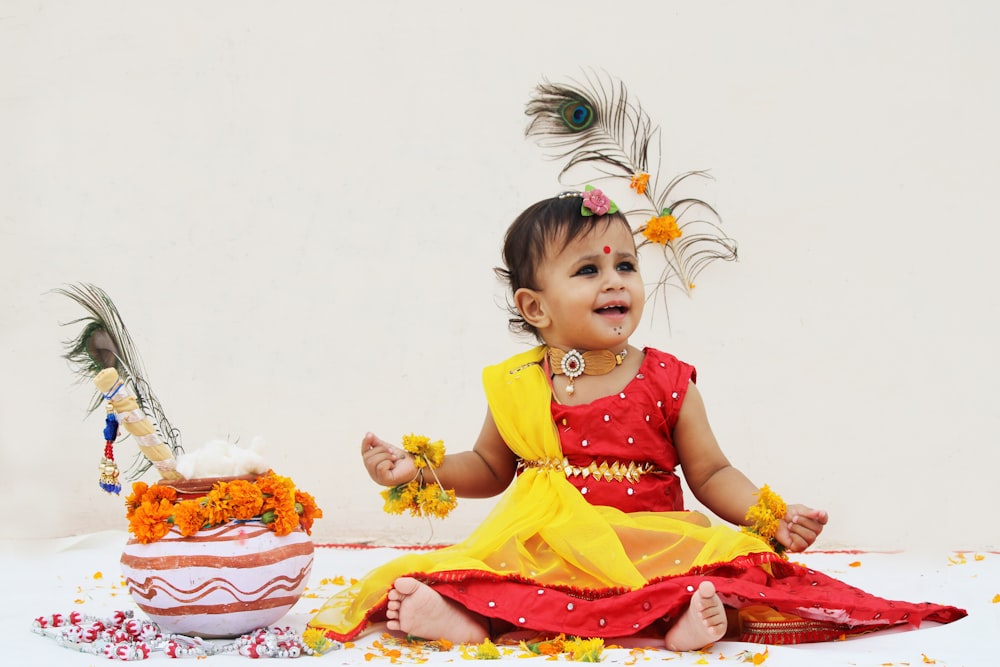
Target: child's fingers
point(819, 516)
point(804, 533)
point(367, 443)
point(371, 444)
point(813, 521)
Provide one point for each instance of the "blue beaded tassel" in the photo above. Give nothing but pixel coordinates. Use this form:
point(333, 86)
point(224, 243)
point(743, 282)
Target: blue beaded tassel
point(108, 468)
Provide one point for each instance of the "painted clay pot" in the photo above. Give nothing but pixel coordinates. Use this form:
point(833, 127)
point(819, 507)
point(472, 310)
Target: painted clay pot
point(220, 582)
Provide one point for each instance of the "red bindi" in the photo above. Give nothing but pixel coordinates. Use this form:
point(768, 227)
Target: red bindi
point(607, 250)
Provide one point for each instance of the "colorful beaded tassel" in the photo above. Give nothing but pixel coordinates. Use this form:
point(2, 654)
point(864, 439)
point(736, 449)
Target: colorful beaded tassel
point(108, 468)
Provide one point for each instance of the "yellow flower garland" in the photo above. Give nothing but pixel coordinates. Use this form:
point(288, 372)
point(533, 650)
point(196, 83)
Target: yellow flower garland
point(419, 497)
point(765, 518)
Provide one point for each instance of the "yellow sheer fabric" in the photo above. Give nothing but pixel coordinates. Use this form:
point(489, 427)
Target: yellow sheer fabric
point(543, 528)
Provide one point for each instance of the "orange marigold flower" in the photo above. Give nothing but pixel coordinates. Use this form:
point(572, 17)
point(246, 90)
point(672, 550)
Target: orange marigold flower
point(662, 229)
point(158, 492)
point(640, 180)
point(270, 481)
point(189, 517)
point(308, 511)
point(550, 646)
point(245, 499)
point(133, 501)
point(216, 506)
point(149, 521)
point(282, 500)
point(278, 491)
point(282, 522)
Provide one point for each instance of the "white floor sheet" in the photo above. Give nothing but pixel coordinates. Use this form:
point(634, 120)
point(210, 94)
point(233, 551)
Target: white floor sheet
point(81, 573)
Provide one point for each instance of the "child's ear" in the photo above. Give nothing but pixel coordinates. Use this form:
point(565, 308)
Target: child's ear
point(529, 303)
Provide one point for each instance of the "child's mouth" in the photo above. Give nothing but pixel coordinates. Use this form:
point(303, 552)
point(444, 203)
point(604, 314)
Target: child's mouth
point(612, 310)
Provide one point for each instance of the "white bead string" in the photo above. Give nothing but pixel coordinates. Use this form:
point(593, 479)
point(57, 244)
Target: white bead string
point(123, 637)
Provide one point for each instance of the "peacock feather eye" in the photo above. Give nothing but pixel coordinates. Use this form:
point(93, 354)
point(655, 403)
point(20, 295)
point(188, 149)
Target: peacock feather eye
point(577, 115)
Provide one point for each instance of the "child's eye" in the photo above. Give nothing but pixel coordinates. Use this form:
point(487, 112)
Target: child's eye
point(626, 266)
point(587, 270)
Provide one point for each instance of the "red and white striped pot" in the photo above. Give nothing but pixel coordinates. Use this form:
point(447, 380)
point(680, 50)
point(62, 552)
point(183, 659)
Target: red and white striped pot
point(220, 582)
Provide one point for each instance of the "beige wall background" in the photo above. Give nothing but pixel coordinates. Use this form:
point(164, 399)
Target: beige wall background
point(297, 208)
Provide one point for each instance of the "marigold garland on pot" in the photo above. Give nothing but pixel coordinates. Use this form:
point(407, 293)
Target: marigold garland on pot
point(418, 496)
point(152, 510)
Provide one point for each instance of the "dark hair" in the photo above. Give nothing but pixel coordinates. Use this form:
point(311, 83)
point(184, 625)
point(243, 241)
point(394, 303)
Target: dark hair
point(547, 222)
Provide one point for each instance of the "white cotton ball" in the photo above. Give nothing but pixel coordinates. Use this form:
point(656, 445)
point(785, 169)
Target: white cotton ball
point(221, 458)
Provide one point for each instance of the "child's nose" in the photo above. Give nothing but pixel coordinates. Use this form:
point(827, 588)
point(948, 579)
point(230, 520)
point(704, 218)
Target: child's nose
point(614, 281)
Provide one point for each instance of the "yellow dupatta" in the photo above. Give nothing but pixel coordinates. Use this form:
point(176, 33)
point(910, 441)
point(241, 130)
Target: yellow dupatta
point(542, 528)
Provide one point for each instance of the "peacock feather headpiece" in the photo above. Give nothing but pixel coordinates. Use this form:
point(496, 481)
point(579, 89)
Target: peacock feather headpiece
point(593, 125)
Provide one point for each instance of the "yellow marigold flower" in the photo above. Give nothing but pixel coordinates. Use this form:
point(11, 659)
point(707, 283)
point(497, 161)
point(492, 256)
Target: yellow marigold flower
point(189, 517)
point(424, 451)
point(316, 640)
point(585, 650)
point(432, 500)
point(487, 651)
point(762, 521)
point(399, 499)
point(765, 516)
point(772, 501)
point(662, 229)
point(640, 180)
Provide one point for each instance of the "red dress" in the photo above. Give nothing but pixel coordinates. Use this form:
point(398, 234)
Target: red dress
point(612, 553)
point(635, 426)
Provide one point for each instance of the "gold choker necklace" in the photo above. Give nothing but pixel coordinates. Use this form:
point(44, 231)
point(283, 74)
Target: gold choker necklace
point(574, 363)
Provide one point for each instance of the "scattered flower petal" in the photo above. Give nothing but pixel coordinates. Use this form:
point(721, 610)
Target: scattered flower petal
point(640, 180)
point(487, 651)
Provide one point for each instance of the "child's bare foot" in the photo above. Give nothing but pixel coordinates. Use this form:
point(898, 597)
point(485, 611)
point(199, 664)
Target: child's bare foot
point(703, 623)
point(417, 609)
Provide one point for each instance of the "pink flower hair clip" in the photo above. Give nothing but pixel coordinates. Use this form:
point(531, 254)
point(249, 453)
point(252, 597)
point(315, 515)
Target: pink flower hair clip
point(595, 202)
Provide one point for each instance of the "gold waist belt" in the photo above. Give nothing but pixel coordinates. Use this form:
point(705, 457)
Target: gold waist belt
point(614, 471)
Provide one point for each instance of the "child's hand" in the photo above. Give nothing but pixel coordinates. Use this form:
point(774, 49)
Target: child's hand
point(387, 464)
point(800, 527)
